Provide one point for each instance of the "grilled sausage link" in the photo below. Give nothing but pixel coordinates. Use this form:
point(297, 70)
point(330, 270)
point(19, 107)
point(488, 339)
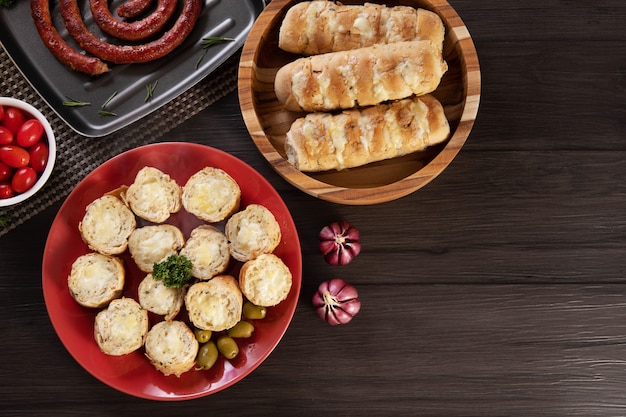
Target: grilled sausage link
point(40, 10)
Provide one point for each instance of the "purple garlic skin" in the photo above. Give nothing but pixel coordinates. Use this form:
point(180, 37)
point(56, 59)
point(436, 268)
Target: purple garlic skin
point(339, 243)
point(336, 301)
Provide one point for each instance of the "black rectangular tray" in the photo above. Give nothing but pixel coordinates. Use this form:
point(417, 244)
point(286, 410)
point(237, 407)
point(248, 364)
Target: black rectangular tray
point(172, 74)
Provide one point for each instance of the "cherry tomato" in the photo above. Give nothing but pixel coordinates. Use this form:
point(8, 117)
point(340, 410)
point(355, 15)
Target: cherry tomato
point(1, 112)
point(6, 136)
point(29, 133)
point(13, 118)
point(24, 179)
point(39, 156)
point(14, 156)
point(6, 191)
point(5, 172)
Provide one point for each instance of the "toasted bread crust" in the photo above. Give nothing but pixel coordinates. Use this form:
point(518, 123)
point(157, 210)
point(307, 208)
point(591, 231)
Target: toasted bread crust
point(252, 232)
point(96, 279)
point(152, 244)
point(211, 195)
point(265, 281)
point(214, 305)
point(208, 250)
point(153, 195)
point(171, 347)
point(107, 225)
point(121, 328)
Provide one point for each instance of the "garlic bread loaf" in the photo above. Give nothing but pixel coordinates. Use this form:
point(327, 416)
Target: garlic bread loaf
point(159, 299)
point(153, 195)
point(211, 195)
point(216, 304)
point(252, 232)
point(152, 244)
point(265, 280)
point(107, 225)
point(361, 77)
point(317, 27)
point(208, 250)
point(96, 279)
point(324, 141)
point(171, 347)
point(121, 328)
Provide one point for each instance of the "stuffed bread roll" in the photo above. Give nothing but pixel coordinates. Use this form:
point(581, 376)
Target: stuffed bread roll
point(324, 141)
point(317, 27)
point(362, 77)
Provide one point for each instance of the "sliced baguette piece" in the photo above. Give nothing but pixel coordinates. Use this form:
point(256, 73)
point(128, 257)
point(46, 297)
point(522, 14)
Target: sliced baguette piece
point(361, 77)
point(153, 195)
point(324, 141)
point(155, 297)
point(96, 279)
point(152, 244)
point(171, 347)
point(211, 195)
point(317, 27)
point(214, 305)
point(107, 225)
point(265, 281)
point(208, 250)
point(121, 328)
point(252, 232)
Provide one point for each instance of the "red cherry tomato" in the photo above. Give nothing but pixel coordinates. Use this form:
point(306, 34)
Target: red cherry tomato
point(29, 133)
point(6, 191)
point(6, 136)
point(39, 156)
point(14, 156)
point(24, 179)
point(1, 112)
point(5, 172)
point(13, 118)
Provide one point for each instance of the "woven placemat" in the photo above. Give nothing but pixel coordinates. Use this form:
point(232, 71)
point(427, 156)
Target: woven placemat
point(75, 160)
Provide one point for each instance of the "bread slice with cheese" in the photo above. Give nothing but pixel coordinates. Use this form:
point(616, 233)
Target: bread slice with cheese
point(96, 279)
point(153, 195)
point(265, 281)
point(317, 27)
point(324, 141)
point(252, 232)
point(171, 347)
point(214, 305)
point(159, 299)
point(152, 244)
point(361, 77)
point(107, 225)
point(121, 328)
point(208, 250)
point(211, 195)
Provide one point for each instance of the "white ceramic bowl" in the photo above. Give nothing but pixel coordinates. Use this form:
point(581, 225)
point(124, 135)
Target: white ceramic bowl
point(51, 141)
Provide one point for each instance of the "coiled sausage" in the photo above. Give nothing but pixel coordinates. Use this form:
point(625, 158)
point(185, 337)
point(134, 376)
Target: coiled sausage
point(125, 54)
point(132, 31)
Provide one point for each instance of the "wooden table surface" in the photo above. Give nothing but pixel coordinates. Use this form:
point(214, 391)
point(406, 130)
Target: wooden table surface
point(496, 290)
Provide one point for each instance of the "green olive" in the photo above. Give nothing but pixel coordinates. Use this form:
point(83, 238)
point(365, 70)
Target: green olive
point(207, 355)
point(253, 312)
point(227, 347)
point(202, 336)
point(243, 329)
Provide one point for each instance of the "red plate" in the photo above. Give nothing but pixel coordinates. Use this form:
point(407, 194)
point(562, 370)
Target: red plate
point(132, 373)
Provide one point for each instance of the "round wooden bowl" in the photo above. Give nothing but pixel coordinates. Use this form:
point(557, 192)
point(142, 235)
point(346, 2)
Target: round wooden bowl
point(268, 122)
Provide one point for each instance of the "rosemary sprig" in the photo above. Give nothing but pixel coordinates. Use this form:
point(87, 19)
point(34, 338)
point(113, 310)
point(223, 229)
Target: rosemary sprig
point(103, 111)
point(150, 90)
point(70, 102)
point(208, 42)
point(6, 3)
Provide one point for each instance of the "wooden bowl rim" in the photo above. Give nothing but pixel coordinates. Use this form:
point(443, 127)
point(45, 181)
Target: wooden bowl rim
point(378, 194)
